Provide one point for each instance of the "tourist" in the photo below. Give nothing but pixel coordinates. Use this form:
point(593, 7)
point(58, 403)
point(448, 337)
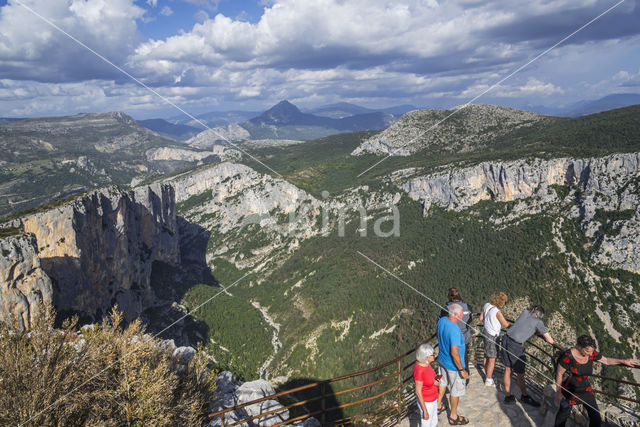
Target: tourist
point(454, 297)
point(512, 356)
point(452, 363)
point(575, 389)
point(493, 321)
point(426, 386)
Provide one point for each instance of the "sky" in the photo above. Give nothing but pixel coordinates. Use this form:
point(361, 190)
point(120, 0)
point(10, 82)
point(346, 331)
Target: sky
point(195, 56)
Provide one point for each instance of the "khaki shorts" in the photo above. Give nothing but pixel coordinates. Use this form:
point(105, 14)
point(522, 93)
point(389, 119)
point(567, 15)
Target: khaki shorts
point(490, 345)
point(457, 385)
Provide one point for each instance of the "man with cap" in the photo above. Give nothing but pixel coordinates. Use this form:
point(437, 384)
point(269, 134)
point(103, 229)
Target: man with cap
point(513, 357)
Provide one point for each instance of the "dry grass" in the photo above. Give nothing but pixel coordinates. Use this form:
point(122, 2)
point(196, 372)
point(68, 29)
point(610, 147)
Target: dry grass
point(111, 375)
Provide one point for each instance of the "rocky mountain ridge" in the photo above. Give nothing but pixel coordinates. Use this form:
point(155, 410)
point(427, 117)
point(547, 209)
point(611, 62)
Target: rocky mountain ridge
point(468, 127)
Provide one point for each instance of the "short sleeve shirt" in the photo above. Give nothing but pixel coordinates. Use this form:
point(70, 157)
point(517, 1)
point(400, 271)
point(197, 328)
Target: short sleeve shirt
point(466, 318)
point(427, 375)
point(578, 380)
point(449, 335)
point(526, 325)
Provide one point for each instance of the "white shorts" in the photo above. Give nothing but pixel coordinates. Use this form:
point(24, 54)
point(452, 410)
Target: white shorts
point(432, 410)
point(453, 379)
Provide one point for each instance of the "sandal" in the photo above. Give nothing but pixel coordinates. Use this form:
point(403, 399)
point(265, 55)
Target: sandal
point(441, 409)
point(458, 421)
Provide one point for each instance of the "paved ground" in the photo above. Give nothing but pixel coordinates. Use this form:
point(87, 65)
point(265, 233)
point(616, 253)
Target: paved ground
point(483, 406)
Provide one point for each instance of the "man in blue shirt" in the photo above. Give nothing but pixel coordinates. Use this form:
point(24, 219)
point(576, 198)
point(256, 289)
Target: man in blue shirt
point(451, 361)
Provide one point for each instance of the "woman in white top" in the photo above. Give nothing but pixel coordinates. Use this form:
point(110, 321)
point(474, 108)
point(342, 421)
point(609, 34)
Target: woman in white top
point(493, 320)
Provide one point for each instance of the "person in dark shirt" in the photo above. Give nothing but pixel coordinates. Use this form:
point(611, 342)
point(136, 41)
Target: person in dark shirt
point(577, 362)
point(513, 356)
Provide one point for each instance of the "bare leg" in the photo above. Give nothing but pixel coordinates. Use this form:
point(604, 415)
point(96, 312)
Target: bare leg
point(454, 407)
point(507, 381)
point(441, 391)
point(523, 387)
point(490, 364)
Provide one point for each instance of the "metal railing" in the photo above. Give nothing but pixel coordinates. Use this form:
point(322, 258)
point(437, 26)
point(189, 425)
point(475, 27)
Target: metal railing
point(549, 368)
point(395, 408)
point(390, 411)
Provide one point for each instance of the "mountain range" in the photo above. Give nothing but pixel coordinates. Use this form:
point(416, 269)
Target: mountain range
point(315, 247)
point(283, 121)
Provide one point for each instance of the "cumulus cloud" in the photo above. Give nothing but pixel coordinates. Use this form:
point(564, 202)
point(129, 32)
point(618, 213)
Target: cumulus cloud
point(387, 52)
point(32, 49)
point(415, 35)
point(626, 79)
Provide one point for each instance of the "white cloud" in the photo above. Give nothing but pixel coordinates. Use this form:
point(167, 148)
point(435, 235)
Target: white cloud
point(201, 16)
point(387, 52)
point(537, 87)
point(32, 49)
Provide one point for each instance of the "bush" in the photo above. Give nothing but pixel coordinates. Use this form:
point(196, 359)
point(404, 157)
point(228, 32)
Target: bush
point(111, 375)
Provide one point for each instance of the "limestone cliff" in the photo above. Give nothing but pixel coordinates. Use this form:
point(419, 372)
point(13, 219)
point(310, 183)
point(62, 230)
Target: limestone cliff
point(98, 251)
point(606, 184)
point(23, 283)
point(240, 205)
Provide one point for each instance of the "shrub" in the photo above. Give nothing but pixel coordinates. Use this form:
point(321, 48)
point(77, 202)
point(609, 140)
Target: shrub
point(111, 375)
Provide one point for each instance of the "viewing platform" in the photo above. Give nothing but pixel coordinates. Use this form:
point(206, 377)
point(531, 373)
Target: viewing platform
point(384, 396)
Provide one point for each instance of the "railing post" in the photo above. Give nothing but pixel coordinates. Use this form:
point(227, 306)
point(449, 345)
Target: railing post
point(323, 418)
point(399, 389)
point(222, 420)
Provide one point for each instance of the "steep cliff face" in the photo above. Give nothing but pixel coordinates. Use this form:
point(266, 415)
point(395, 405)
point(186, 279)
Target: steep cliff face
point(99, 249)
point(23, 283)
point(249, 213)
point(595, 186)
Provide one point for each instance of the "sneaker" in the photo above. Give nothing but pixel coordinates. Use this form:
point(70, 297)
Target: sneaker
point(509, 399)
point(489, 382)
point(529, 401)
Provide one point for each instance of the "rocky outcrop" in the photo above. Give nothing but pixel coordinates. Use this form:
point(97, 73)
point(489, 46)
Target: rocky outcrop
point(179, 154)
point(230, 393)
point(459, 188)
point(98, 250)
point(459, 129)
point(234, 199)
point(221, 134)
point(605, 185)
point(23, 283)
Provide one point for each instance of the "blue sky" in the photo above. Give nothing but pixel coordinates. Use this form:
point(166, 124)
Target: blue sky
point(207, 55)
point(169, 17)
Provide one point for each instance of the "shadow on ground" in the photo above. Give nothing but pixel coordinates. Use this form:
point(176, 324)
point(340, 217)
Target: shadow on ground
point(314, 404)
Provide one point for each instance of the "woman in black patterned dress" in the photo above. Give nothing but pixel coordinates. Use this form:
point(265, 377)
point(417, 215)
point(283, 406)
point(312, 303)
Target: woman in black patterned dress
point(575, 389)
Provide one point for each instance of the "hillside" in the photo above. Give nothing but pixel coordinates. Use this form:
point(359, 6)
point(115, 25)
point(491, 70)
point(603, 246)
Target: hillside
point(49, 158)
point(170, 130)
point(545, 209)
point(466, 129)
point(490, 225)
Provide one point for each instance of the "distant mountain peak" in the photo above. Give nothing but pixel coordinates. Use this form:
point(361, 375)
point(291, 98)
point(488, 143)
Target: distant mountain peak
point(284, 108)
point(282, 113)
